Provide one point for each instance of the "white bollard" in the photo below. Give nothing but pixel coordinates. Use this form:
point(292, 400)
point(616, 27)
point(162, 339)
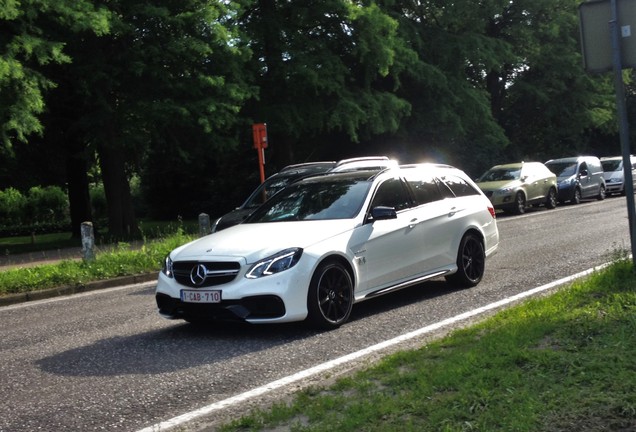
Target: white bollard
point(88, 241)
point(204, 224)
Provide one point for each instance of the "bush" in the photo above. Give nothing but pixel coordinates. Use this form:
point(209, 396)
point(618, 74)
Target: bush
point(42, 210)
point(12, 206)
point(48, 205)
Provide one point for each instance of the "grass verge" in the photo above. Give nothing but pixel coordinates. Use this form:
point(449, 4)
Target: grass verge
point(566, 362)
point(121, 261)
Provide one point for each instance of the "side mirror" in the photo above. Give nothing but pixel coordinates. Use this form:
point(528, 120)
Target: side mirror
point(583, 173)
point(383, 213)
point(524, 178)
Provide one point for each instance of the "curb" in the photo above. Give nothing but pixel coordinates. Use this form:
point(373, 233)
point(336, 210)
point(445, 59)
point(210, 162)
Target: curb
point(12, 299)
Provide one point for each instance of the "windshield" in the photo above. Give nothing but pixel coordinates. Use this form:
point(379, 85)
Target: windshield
point(315, 199)
point(499, 174)
point(612, 165)
point(562, 169)
point(266, 190)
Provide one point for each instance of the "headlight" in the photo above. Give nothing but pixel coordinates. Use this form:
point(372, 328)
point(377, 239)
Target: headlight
point(167, 267)
point(277, 263)
point(504, 191)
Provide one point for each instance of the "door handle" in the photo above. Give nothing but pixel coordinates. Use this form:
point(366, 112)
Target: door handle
point(452, 211)
point(412, 223)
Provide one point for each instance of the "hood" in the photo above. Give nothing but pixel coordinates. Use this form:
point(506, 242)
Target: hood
point(496, 185)
point(256, 241)
point(613, 174)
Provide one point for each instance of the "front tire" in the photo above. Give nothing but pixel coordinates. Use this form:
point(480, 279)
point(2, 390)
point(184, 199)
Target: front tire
point(520, 203)
point(576, 198)
point(471, 262)
point(330, 296)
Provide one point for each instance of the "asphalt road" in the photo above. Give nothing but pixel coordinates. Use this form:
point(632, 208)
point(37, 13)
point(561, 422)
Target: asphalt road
point(106, 361)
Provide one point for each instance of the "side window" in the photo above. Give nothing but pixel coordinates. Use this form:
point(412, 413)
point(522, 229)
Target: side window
point(425, 189)
point(391, 193)
point(459, 186)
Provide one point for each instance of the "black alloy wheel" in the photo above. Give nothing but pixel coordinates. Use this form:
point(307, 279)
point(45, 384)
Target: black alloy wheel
point(330, 296)
point(471, 262)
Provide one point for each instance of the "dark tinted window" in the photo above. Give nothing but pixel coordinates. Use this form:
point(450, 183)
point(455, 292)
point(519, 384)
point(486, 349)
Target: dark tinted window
point(391, 193)
point(424, 188)
point(459, 186)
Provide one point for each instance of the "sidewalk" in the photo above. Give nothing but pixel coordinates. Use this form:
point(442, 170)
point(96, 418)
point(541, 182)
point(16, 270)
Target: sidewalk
point(33, 259)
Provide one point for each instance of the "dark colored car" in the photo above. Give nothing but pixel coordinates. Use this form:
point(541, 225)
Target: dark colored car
point(291, 174)
point(579, 177)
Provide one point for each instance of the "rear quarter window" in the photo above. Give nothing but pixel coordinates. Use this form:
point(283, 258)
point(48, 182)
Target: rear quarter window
point(459, 186)
point(424, 188)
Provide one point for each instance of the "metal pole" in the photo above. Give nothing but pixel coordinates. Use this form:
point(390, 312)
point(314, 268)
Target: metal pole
point(623, 124)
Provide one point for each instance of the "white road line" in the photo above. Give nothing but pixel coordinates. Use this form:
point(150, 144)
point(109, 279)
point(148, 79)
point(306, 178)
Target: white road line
point(184, 418)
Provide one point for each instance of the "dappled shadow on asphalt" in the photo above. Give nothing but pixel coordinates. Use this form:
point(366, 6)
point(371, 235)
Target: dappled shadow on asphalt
point(184, 346)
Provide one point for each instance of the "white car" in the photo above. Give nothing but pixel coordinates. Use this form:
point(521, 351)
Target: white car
point(614, 174)
point(329, 241)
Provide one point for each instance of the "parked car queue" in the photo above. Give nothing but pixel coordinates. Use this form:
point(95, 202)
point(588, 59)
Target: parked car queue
point(514, 187)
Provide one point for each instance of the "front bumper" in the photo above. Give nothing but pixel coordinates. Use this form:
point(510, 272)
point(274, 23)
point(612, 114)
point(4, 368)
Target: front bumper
point(565, 192)
point(613, 187)
point(500, 200)
point(277, 298)
point(248, 308)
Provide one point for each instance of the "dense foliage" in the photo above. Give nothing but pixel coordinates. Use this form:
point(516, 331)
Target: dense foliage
point(42, 209)
point(167, 91)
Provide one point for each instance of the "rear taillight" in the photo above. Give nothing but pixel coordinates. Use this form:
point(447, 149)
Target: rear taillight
point(492, 211)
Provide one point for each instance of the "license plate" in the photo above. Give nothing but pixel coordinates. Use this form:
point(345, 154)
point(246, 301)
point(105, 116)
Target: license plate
point(201, 296)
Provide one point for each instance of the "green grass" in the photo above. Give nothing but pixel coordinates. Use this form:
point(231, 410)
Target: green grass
point(566, 362)
point(120, 261)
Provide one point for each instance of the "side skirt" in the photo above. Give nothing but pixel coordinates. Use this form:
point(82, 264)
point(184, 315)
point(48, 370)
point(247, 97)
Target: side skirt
point(404, 284)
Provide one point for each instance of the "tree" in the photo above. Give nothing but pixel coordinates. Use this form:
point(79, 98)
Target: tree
point(321, 67)
point(451, 119)
point(544, 98)
point(25, 46)
point(161, 77)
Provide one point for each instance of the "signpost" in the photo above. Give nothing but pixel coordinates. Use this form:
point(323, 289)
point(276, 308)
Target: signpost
point(608, 44)
point(259, 134)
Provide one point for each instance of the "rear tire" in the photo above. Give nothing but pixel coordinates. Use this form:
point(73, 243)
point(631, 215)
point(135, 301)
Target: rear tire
point(551, 200)
point(330, 297)
point(601, 193)
point(471, 262)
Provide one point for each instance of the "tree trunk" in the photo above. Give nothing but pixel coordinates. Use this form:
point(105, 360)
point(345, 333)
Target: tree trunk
point(78, 194)
point(121, 215)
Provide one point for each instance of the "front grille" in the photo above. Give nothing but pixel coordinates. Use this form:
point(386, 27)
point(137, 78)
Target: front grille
point(216, 273)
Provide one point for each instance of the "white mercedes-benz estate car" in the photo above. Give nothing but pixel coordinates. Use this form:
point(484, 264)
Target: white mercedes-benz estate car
point(331, 240)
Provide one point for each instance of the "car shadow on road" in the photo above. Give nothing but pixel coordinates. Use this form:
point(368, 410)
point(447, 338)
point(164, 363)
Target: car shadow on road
point(182, 346)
